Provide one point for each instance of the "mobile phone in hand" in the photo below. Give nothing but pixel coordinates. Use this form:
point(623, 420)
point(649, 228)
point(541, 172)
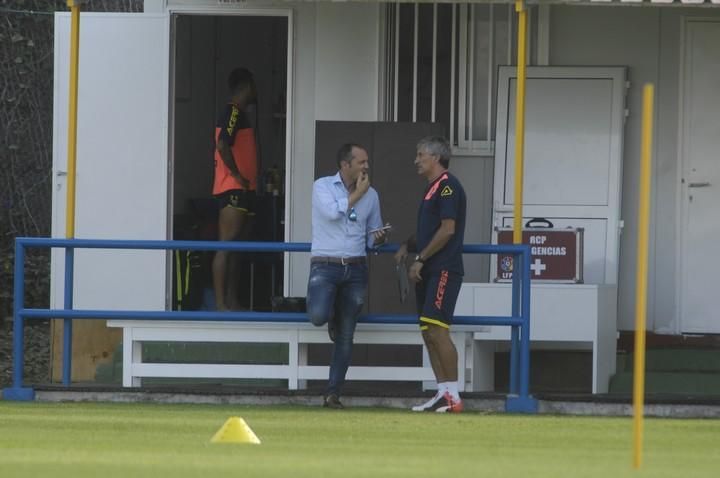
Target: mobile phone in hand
point(385, 228)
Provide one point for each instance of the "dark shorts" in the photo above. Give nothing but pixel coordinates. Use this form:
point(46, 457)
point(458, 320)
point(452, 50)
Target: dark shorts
point(238, 199)
point(436, 296)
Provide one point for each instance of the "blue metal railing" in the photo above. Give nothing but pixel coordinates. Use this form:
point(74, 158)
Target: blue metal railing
point(519, 399)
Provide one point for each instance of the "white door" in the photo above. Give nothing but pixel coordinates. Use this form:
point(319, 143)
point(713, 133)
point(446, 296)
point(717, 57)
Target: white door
point(122, 160)
point(573, 157)
point(701, 178)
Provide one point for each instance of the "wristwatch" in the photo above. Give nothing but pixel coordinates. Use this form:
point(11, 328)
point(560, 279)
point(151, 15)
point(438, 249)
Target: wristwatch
point(419, 259)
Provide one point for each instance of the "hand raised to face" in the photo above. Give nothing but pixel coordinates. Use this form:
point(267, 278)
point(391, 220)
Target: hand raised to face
point(362, 184)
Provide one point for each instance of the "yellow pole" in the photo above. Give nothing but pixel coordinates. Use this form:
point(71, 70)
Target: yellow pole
point(74, 6)
point(641, 275)
point(520, 121)
point(72, 117)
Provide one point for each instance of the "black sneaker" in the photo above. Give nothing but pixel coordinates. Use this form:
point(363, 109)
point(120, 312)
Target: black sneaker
point(332, 401)
point(444, 403)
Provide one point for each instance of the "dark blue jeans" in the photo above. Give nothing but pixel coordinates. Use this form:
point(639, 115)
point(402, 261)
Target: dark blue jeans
point(336, 290)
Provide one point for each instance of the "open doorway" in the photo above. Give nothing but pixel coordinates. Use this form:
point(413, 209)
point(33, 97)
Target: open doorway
point(207, 49)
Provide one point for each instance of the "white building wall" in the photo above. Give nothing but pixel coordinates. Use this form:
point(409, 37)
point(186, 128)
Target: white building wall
point(346, 65)
point(648, 41)
point(336, 65)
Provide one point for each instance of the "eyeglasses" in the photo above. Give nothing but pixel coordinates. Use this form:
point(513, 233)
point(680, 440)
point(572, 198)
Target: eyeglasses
point(352, 215)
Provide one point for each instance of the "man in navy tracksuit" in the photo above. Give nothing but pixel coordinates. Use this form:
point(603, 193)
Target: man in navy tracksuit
point(437, 269)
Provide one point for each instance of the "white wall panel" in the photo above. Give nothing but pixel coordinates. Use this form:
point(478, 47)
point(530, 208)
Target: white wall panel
point(626, 37)
point(346, 61)
point(122, 139)
point(648, 41)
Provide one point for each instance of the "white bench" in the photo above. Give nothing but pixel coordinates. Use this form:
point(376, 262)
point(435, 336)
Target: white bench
point(562, 316)
point(297, 335)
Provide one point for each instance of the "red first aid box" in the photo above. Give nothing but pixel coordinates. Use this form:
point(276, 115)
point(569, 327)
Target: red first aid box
point(556, 254)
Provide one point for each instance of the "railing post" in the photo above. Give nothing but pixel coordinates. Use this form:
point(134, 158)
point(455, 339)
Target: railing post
point(67, 323)
point(514, 332)
point(18, 323)
point(17, 391)
point(525, 337)
point(523, 403)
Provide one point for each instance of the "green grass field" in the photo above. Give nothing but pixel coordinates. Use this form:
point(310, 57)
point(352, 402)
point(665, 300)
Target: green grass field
point(138, 440)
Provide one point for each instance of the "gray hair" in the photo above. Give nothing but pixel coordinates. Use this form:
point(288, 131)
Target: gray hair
point(437, 146)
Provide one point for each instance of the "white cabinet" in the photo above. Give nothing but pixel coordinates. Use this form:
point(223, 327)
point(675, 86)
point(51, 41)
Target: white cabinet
point(561, 316)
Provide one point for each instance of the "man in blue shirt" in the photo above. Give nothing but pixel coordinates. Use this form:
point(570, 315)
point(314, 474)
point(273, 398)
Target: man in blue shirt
point(437, 269)
point(345, 209)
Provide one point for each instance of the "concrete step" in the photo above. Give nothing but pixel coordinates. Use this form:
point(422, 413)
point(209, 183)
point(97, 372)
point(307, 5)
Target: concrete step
point(674, 360)
point(682, 383)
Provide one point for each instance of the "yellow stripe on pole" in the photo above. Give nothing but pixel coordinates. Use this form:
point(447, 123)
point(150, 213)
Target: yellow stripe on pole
point(72, 118)
point(520, 121)
point(641, 276)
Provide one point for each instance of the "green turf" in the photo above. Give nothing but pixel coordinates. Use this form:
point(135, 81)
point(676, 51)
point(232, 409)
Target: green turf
point(136, 440)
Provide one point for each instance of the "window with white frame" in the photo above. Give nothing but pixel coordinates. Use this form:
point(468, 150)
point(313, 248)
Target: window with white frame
point(440, 65)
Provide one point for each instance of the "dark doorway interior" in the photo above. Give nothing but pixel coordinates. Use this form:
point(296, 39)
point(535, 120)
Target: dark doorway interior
point(207, 48)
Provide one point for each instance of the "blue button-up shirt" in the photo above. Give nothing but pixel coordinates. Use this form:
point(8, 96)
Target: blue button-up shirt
point(333, 233)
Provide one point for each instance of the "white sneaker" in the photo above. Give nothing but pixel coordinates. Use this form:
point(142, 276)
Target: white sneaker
point(430, 404)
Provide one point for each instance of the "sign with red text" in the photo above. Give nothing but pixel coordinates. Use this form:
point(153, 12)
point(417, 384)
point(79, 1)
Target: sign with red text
point(556, 254)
